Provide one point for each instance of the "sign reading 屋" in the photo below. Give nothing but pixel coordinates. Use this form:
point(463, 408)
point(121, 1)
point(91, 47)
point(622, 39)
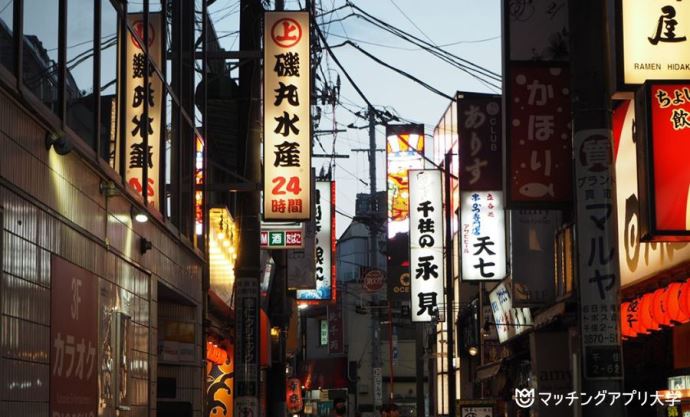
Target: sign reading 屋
point(654, 37)
point(287, 125)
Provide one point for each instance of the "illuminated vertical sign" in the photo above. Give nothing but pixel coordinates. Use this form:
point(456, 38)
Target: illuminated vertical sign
point(324, 216)
point(287, 121)
point(664, 119)
point(198, 184)
point(483, 236)
point(509, 321)
point(404, 147)
point(143, 158)
point(653, 39)
point(426, 244)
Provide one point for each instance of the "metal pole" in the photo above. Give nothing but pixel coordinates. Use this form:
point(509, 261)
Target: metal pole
point(419, 351)
point(450, 317)
point(391, 391)
point(598, 277)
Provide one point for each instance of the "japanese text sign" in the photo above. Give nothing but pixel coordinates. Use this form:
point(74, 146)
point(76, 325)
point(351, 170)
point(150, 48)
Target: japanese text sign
point(404, 150)
point(74, 340)
point(638, 260)
point(479, 127)
point(538, 135)
point(287, 121)
point(653, 36)
point(324, 217)
point(536, 30)
point(597, 262)
point(335, 328)
point(664, 176)
point(426, 244)
point(140, 157)
point(509, 321)
point(483, 249)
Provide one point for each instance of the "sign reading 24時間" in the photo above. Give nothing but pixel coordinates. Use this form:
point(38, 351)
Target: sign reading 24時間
point(287, 124)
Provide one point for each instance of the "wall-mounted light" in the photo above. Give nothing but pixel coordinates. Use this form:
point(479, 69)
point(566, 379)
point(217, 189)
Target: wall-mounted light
point(60, 143)
point(139, 216)
point(145, 245)
point(473, 351)
point(302, 306)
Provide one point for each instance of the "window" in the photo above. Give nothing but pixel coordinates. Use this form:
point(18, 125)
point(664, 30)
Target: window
point(6, 34)
point(108, 87)
point(40, 51)
point(323, 339)
point(79, 91)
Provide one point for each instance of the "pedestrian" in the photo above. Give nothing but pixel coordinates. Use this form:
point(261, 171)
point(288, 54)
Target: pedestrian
point(390, 410)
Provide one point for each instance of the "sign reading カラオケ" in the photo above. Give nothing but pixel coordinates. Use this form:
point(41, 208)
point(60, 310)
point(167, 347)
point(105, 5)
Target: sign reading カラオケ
point(426, 244)
point(287, 124)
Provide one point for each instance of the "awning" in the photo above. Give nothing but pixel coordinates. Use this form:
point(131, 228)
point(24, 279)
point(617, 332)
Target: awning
point(549, 315)
point(488, 371)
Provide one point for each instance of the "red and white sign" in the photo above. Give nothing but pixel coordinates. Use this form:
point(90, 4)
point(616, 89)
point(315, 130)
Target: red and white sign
point(74, 340)
point(140, 157)
point(287, 118)
point(373, 280)
point(294, 395)
point(665, 174)
point(538, 135)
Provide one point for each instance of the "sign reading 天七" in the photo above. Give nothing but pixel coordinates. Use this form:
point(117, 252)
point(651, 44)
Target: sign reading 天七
point(482, 227)
point(287, 124)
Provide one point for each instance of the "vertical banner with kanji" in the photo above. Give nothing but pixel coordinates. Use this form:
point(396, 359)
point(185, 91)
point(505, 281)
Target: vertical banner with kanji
point(597, 264)
point(335, 328)
point(479, 127)
point(482, 228)
point(538, 139)
point(663, 121)
point(247, 347)
point(426, 245)
point(324, 217)
point(143, 158)
point(287, 122)
point(74, 340)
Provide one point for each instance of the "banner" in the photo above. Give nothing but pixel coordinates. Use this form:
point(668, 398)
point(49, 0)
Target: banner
point(483, 249)
point(480, 130)
point(287, 118)
point(324, 269)
point(140, 158)
point(426, 245)
point(74, 340)
point(335, 328)
point(538, 140)
point(663, 123)
point(510, 321)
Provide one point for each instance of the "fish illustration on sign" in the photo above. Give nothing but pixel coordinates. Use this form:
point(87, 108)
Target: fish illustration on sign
point(536, 190)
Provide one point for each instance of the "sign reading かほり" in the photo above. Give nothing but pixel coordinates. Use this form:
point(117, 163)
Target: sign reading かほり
point(287, 125)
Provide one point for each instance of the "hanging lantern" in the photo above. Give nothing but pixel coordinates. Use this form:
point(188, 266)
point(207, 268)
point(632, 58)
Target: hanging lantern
point(633, 317)
point(659, 310)
point(673, 299)
point(626, 324)
point(645, 312)
point(685, 298)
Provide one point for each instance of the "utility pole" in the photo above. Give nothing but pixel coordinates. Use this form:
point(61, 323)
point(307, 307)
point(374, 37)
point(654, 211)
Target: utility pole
point(599, 350)
point(449, 286)
point(376, 366)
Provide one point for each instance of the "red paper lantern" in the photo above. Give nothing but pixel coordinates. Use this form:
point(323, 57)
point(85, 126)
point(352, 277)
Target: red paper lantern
point(645, 312)
point(633, 317)
point(626, 324)
point(685, 298)
point(673, 303)
point(659, 310)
